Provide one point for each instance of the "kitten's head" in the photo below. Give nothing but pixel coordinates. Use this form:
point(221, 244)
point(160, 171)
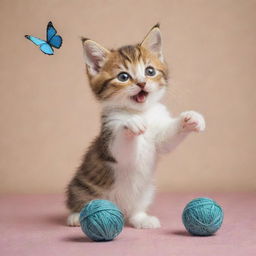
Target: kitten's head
point(132, 77)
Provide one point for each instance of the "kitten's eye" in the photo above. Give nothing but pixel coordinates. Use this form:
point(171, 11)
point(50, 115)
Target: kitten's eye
point(150, 71)
point(123, 76)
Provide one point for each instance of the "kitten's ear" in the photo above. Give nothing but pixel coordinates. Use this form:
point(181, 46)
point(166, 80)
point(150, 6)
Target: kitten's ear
point(153, 41)
point(95, 56)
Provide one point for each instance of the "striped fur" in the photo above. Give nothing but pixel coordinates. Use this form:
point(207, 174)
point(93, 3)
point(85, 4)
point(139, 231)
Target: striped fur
point(95, 175)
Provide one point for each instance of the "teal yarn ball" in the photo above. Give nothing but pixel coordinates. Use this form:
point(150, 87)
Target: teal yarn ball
point(101, 220)
point(202, 217)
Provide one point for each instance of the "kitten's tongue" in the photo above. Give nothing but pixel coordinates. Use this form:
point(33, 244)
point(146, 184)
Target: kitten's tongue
point(140, 97)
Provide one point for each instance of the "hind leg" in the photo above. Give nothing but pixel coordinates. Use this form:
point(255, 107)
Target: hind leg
point(139, 217)
point(143, 220)
point(73, 219)
point(77, 198)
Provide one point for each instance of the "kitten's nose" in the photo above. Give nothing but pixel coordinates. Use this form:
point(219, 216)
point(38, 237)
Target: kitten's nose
point(141, 84)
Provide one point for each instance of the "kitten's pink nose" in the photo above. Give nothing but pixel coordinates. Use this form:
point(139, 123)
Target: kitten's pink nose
point(141, 85)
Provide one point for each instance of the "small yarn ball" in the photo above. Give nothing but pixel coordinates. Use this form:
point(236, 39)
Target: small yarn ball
point(202, 217)
point(101, 220)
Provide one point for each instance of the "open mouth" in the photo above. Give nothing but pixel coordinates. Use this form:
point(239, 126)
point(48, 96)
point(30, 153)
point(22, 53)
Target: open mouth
point(140, 97)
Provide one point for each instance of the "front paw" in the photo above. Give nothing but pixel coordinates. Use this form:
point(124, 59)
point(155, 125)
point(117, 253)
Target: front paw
point(192, 121)
point(135, 126)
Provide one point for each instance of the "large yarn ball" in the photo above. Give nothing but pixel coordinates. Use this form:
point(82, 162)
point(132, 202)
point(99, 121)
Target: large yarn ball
point(101, 220)
point(202, 217)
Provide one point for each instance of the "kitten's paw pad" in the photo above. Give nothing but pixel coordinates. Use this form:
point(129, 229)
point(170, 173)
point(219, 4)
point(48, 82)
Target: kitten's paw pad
point(135, 126)
point(192, 121)
point(145, 222)
point(73, 220)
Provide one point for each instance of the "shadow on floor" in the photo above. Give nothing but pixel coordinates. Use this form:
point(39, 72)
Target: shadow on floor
point(178, 232)
point(77, 239)
point(183, 233)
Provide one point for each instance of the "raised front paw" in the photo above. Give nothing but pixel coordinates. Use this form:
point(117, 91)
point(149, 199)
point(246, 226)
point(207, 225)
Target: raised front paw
point(192, 121)
point(135, 126)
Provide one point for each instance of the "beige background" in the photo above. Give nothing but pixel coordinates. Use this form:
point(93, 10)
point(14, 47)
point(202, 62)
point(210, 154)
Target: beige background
point(49, 116)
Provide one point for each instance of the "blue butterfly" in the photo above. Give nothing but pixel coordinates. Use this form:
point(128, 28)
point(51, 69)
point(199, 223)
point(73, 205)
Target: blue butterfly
point(52, 40)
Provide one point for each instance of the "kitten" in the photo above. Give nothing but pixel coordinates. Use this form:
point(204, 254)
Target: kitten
point(135, 128)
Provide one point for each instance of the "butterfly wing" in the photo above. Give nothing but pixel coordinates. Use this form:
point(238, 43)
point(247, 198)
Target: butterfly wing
point(56, 41)
point(47, 49)
point(52, 38)
point(35, 40)
point(43, 45)
point(50, 31)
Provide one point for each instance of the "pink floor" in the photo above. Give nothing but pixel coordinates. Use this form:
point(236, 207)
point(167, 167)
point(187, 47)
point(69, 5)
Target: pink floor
point(35, 225)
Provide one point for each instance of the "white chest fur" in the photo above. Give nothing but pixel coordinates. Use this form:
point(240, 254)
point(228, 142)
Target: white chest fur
point(136, 157)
